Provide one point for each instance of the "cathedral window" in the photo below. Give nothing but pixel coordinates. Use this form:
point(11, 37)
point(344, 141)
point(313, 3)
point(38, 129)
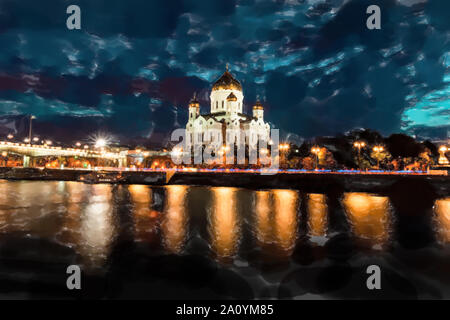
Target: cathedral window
point(223, 104)
point(217, 104)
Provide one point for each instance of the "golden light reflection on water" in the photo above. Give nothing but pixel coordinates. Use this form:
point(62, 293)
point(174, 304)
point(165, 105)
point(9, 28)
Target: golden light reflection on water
point(31, 206)
point(369, 216)
point(317, 214)
point(442, 219)
point(263, 215)
point(224, 223)
point(286, 219)
point(276, 220)
point(175, 221)
point(146, 220)
point(97, 226)
point(71, 213)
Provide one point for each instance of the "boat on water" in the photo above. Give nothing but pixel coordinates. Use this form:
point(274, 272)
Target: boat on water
point(102, 177)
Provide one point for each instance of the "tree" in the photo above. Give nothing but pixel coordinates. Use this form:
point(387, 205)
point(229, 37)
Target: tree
point(326, 159)
point(294, 162)
point(425, 159)
point(308, 163)
point(402, 145)
point(381, 157)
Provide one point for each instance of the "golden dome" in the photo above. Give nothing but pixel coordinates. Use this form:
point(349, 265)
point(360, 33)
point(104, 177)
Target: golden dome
point(194, 102)
point(231, 97)
point(194, 105)
point(227, 82)
point(258, 106)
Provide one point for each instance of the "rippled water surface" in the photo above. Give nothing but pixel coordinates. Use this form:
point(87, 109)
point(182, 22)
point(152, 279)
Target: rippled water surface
point(199, 242)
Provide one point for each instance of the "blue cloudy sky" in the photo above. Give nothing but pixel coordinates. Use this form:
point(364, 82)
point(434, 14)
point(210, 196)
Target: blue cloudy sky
point(133, 66)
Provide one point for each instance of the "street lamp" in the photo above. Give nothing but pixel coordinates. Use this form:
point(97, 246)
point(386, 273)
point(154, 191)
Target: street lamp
point(78, 144)
point(10, 136)
point(316, 151)
point(284, 147)
point(30, 127)
point(359, 145)
point(100, 143)
point(378, 150)
point(442, 158)
point(176, 152)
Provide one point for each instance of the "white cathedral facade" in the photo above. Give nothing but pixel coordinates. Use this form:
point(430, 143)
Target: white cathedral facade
point(226, 123)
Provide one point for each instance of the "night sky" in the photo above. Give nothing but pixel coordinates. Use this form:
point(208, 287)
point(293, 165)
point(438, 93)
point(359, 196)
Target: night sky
point(132, 68)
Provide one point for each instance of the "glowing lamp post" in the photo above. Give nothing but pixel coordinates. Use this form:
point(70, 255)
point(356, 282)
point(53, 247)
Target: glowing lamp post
point(284, 148)
point(5, 160)
point(316, 151)
point(378, 150)
point(100, 143)
point(30, 127)
point(223, 152)
point(442, 158)
point(10, 136)
point(176, 153)
point(359, 145)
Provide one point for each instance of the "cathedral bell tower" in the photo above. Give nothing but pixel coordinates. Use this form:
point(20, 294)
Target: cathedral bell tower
point(194, 108)
point(258, 111)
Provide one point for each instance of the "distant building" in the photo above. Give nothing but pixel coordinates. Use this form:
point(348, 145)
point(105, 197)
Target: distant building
point(226, 121)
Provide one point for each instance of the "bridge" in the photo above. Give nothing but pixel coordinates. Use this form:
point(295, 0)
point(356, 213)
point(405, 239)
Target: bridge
point(29, 151)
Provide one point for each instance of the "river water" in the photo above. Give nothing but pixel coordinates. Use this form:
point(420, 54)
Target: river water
point(136, 241)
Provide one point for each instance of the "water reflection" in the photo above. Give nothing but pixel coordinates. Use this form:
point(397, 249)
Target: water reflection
point(317, 214)
point(224, 223)
point(276, 220)
point(263, 218)
point(175, 221)
point(97, 226)
point(286, 219)
point(442, 218)
point(86, 217)
point(30, 207)
point(369, 216)
point(146, 220)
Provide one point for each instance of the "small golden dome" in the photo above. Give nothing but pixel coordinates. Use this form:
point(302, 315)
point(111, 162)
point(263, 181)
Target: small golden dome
point(227, 82)
point(231, 97)
point(194, 102)
point(258, 106)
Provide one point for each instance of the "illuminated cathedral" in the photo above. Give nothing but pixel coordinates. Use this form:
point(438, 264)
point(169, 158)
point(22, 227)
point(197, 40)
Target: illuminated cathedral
point(226, 117)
